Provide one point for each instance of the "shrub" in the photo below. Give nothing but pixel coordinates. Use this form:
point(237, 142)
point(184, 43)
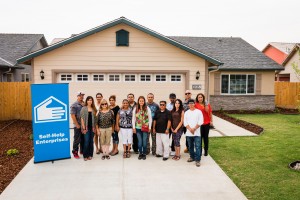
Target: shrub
point(12, 152)
point(31, 136)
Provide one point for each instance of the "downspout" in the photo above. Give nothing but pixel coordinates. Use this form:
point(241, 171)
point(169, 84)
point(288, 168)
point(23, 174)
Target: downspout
point(5, 73)
point(212, 71)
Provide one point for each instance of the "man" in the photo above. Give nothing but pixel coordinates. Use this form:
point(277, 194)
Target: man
point(75, 115)
point(132, 104)
point(193, 119)
point(161, 127)
point(170, 107)
point(153, 107)
point(188, 96)
point(97, 142)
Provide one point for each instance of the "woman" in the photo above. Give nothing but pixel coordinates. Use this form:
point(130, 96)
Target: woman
point(208, 120)
point(177, 126)
point(99, 98)
point(141, 125)
point(105, 127)
point(88, 127)
point(124, 125)
point(115, 108)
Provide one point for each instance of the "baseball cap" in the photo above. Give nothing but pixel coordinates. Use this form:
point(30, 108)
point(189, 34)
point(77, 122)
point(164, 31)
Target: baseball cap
point(172, 96)
point(80, 93)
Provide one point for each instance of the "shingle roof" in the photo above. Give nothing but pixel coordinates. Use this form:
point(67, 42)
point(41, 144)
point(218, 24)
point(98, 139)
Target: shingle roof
point(14, 46)
point(235, 53)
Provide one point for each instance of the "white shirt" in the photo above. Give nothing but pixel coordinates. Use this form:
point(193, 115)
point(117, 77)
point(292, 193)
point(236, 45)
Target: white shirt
point(170, 106)
point(192, 118)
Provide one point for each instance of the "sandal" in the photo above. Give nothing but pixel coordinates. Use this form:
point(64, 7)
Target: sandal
point(103, 157)
point(174, 158)
point(107, 157)
point(177, 158)
point(124, 155)
point(90, 158)
point(85, 159)
point(113, 154)
point(98, 151)
point(128, 154)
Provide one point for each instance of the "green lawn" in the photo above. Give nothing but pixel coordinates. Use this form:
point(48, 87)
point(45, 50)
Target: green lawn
point(259, 165)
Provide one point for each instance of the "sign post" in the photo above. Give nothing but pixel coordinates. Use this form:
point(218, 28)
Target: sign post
point(50, 121)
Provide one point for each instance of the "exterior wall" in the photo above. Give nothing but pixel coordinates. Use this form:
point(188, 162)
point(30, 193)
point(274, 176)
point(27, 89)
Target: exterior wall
point(98, 52)
point(288, 69)
point(262, 99)
point(18, 73)
point(243, 102)
point(275, 54)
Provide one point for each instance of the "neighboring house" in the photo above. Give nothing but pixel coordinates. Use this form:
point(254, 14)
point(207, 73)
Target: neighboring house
point(13, 46)
point(292, 58)
point(122, 57)
point(280, 52)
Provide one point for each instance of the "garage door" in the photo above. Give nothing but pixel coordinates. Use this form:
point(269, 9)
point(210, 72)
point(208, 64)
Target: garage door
point(121, 84)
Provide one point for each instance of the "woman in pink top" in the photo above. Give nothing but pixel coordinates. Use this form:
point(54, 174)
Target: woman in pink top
point(208, 120)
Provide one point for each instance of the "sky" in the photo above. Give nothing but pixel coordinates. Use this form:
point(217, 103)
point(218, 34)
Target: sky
point(257, 21)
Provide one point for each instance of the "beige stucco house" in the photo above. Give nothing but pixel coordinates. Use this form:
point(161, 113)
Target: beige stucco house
point(122, 57)
point(292, 58)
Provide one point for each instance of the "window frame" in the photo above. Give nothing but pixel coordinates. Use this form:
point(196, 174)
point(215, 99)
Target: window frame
point(145, 81)
point(88, 77)
point(130, 81)
point(66, 81)
point(254, 91)
point(166, 80)
point(120, 33)
point(11, 76)
point(108, 78)
point(25, 77)
point(175, 81)
point(104, 77)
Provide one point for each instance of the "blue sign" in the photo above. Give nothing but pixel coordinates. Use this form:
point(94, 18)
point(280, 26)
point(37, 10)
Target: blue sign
point(50, 121)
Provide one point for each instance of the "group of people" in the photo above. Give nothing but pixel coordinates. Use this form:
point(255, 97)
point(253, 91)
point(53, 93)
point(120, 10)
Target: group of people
point(98, 121)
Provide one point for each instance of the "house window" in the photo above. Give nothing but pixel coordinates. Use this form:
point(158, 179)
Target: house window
point(175, 78)
point(114, 77)
point(161, 78)
point(25, 77)
point(98, 77)
point(238, 84)
point(9, 77)
point(122, 38)
point(82, 77)
point(145, 77)
point(129, 77)
point(66, 77)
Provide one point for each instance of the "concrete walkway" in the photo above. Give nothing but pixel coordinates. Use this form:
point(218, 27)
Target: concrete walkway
point(131, 178)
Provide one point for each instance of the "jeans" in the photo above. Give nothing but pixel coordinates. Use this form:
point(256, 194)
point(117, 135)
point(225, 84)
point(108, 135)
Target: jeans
point(142, 141)
point(88, 148)
point(78, 139)
point(115, 137)
point(204, 135)
point(195, 142)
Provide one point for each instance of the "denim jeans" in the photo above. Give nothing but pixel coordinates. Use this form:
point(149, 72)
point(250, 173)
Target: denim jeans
point(195, 142)
point(115, 137)
point(78, 139)
point(88, 148)
point(142, 141)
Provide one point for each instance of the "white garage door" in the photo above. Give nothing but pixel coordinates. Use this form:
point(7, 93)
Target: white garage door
point(161, 85)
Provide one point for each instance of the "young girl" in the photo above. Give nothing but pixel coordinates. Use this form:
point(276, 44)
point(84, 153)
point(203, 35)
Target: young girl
point(177, 126)
point(88, 126)
point(115, 108)
point(141, 117)
point(124, 125)
point(208, 120)
point(105, 127)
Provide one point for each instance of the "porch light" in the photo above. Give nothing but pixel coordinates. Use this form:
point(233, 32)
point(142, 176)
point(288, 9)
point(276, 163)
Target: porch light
point(197, 75)
point(42, 74)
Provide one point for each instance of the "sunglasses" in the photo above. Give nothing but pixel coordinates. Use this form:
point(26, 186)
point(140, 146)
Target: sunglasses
point(162, 104)
point(187, 93)
point(103, 104)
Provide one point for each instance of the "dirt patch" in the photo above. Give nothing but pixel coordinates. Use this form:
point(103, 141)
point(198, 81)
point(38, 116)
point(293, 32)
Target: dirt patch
point(15, 136)
point(241, 123)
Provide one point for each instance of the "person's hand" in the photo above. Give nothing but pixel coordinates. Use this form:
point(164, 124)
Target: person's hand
point(98, 132)
point(77, 126)
point(84, 131)
point(211, 123)
point(192, 131)
point(154, 131)
point(149, 130)
point(167, 131)
point(134, 130)
point(117, 128)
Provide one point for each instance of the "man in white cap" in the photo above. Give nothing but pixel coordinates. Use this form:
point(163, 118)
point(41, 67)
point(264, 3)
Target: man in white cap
point(75, 115)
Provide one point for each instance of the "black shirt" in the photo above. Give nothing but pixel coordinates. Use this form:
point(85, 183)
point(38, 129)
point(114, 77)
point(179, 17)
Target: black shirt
point(162, 119)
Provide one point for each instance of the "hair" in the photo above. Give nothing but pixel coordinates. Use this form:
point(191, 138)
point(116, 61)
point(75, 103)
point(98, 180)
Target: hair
point(150, 94)
point(103, 101)
point(93, 103)
point(163, 102)
point(198, 96)
point(99, 94)
point(138, 104)
point(130, 94)
point(180, 106)
point(124, 101)
point(113, 97)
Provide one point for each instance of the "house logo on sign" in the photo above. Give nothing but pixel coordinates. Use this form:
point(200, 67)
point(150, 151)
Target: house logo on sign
point(50, 110)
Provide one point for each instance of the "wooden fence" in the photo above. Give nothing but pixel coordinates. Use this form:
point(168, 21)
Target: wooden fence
point(15, 101)
point(287, 94)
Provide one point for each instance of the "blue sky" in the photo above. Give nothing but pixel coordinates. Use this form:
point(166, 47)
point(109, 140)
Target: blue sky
point(258, 21)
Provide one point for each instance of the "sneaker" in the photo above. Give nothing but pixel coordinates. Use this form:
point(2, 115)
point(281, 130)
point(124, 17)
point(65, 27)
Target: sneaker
point(172, 153)
point(140, 157)
point(75, 154)
point(190, 160)
point(158, 156)
point(144, 157)
point(186, 150)
point(164, 159)
point(136, 152)
point(198, 164)
point(81, 152)
point(153, 153)
point(205, 153)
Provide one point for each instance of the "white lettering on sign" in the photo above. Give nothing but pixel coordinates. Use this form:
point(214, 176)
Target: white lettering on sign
point(51, 138)
point(197, 87)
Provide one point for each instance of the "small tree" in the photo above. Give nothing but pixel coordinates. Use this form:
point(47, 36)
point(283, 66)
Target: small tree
point(296, 67)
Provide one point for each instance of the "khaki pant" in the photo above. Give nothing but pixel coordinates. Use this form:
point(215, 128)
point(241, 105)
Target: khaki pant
point(105, 136)
point(162, 144)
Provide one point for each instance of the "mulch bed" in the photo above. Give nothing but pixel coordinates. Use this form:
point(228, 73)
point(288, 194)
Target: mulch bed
point(14, 136)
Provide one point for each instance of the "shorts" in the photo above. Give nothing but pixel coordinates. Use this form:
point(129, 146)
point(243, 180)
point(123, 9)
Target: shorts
point(126, 135)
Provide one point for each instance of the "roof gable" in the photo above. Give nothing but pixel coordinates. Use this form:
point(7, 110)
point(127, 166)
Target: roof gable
point(111, 24)
point(294, 50)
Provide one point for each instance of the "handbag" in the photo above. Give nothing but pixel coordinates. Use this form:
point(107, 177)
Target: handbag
point(145, 128)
